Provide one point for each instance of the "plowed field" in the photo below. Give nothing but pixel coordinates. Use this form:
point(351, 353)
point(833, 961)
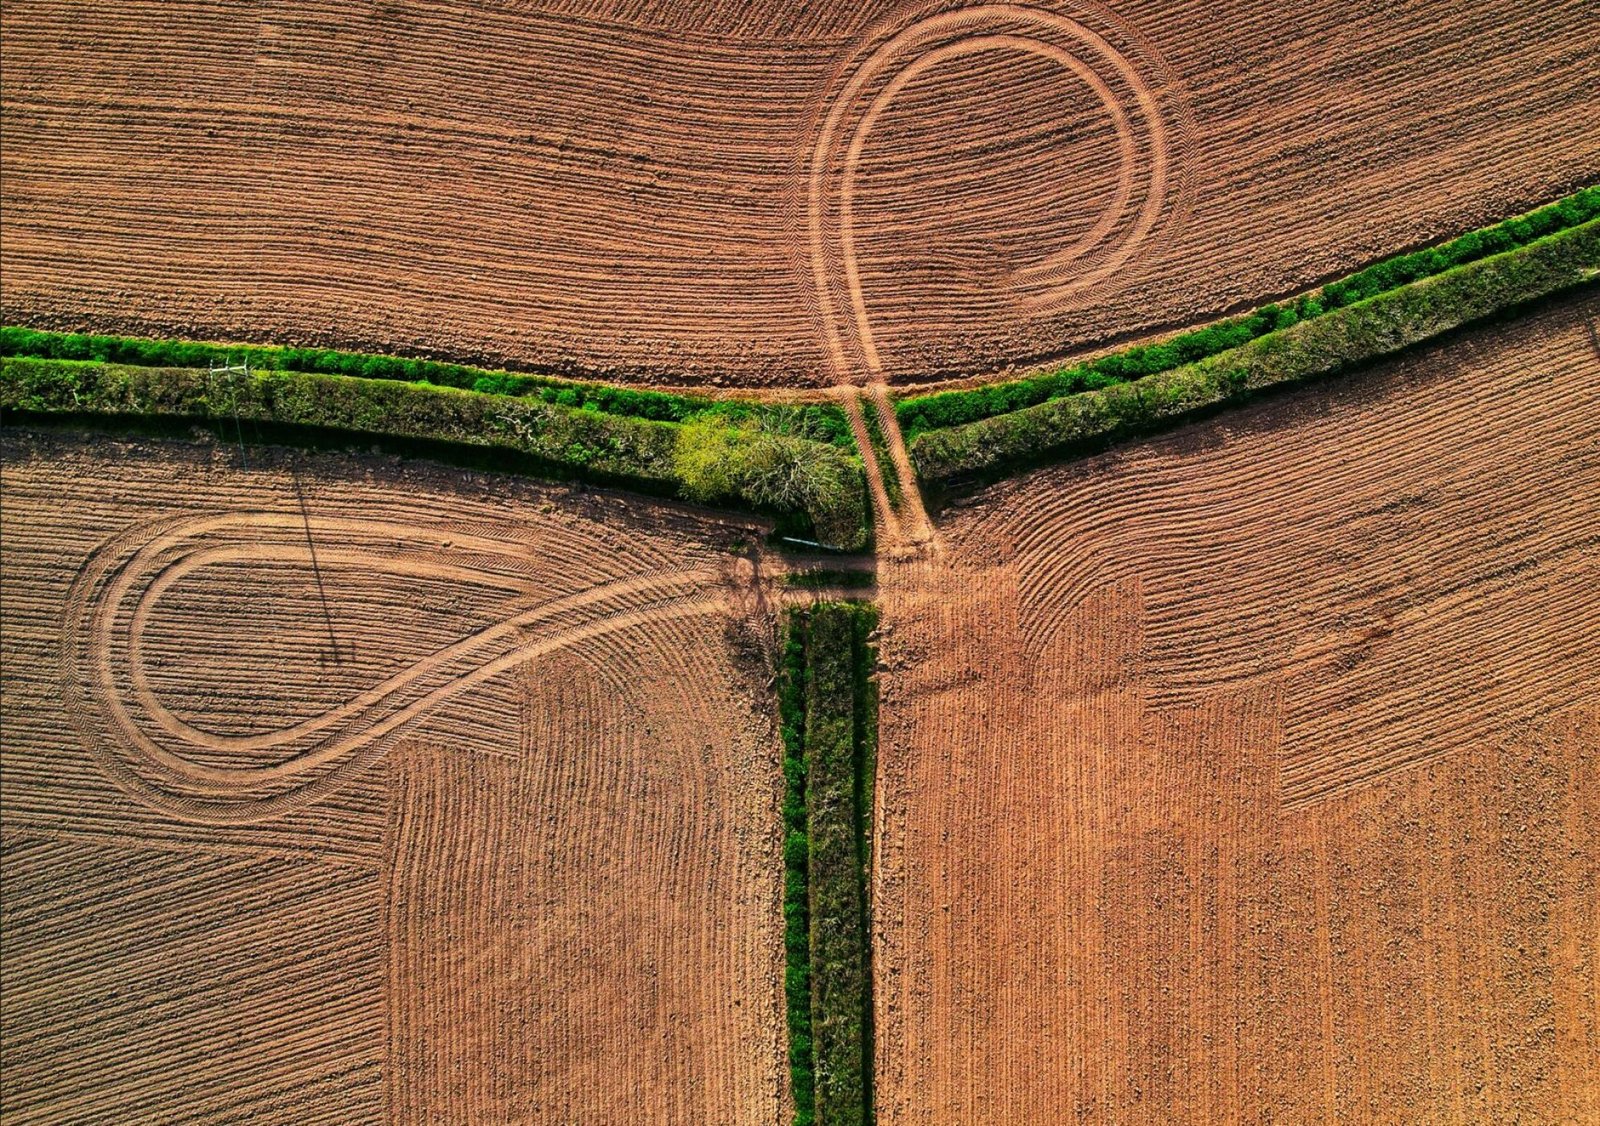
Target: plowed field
point(758, 193)
point(340, 791)
point(1253, 773)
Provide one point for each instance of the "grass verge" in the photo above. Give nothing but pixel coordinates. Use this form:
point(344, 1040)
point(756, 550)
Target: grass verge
point(1333, 342)
point(828, 704)
point(880, 450)
point(808, 486)
point(922, 413)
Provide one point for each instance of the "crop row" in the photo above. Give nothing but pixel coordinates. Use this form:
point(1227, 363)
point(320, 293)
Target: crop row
point(808, 485)
point(823, 422)
point(1335, 341)
point(828, 710)
point(922, 413)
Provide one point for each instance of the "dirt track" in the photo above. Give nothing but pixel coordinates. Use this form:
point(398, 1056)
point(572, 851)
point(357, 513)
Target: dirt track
point(1251, 773)
point(738, 191)
point(341, 791)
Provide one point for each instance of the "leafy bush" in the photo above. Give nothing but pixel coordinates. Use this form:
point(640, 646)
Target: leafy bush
point(707, 457)
point(773, 471)
point(1335, 341)
point(922, 413)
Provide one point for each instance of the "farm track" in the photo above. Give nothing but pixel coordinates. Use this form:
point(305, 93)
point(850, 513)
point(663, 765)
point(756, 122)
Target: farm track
point(481, 789)
point(1248, 773)
point(687, 194)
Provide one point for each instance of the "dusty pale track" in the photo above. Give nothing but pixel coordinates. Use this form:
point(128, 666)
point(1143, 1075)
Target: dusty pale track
point(345, 737)
point(872, 82)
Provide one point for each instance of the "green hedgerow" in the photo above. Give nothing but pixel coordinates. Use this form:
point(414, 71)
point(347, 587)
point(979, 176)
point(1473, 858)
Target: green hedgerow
point(1336, 340)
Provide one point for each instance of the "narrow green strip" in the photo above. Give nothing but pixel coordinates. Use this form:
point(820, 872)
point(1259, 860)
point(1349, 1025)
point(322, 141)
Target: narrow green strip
point(841, 988)
point(1333, 342)
point(796, 894)
point(922, 413)
point(823, 422)
point(812, 488)
point(865, 659)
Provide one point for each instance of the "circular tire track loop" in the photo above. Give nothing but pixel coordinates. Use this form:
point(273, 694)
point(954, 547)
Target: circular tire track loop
point(869, 83)
point(141, 744)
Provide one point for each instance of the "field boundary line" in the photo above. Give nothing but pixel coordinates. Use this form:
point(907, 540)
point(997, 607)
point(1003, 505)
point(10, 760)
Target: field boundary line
point(975, 453)
point(827, 701)
point(924, 411)
point(710, 460)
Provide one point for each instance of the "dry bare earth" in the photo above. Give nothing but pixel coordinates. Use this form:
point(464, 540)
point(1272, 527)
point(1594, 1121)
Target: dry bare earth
point(1253, 773)
point(475, 821)
point(763, 192)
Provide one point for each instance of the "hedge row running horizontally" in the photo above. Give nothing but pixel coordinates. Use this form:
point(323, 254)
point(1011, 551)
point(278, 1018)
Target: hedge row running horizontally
point(1367, 330)
point(820, 421)
point(760, 469)
point(922, 413)
point(828, 707)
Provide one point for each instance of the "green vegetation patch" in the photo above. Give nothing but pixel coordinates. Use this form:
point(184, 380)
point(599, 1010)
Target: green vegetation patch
point(880, 450)
point(828, 706)
point(1335, 341)
point(922, 413)
point(752, 464)
point(749, 465)
point(796, 889)
point(823, 422)
point(819, 577)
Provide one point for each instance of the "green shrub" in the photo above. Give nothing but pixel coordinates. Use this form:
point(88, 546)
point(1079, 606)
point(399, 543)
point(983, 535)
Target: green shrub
point(767, 470)
point(707, 456)
point(1334, 341)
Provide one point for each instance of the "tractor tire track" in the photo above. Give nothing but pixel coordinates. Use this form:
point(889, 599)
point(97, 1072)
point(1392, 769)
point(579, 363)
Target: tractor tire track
point(119, 723)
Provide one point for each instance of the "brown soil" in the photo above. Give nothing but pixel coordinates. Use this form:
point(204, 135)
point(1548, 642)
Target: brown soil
point(341, 790)
point(1253, 773)
point(755, 193)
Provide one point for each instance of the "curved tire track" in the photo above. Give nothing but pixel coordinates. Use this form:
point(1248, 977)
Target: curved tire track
point(147, 749)
point(837, 296)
